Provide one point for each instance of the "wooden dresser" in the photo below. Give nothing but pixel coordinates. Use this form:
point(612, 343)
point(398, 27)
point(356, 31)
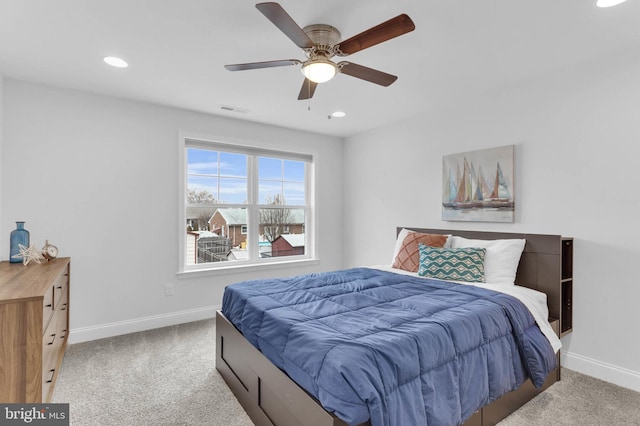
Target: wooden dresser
point(34, 320)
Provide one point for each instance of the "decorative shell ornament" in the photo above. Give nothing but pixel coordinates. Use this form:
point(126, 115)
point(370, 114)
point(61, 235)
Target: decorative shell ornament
point(28, 254)
point(49, 251)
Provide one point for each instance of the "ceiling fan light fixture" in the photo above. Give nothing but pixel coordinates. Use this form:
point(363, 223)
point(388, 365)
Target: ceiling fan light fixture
point(319, 70)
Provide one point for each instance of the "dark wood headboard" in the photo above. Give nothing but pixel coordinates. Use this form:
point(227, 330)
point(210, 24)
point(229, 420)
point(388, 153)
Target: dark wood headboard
point(540, 266)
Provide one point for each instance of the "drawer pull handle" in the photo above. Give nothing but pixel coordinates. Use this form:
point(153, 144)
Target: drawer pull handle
point(52, 373)
point(63, 334)
point(59, 287)
point(64, 306)
point(49, 305)
point(53, 339)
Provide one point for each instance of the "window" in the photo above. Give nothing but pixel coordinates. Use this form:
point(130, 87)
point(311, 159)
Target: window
point(192, 224)
point(244, 205)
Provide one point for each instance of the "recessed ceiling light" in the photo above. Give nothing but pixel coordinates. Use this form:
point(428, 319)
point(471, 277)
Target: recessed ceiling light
point(338, 114)
point(115, 62)
point(608, 3)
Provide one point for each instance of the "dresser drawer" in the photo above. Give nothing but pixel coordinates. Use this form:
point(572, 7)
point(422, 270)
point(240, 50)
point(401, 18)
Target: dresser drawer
point(47, 306)
point(51, 344)
point(61, 313)
point(50, 351)
point(53, 339)
point(60, 287)
point(63, 319)
point(48, 379)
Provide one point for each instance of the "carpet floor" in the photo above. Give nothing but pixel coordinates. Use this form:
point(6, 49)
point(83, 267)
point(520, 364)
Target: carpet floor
point(167, 377)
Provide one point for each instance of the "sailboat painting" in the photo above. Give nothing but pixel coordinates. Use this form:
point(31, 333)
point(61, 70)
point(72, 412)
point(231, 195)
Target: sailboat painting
point(477, 186)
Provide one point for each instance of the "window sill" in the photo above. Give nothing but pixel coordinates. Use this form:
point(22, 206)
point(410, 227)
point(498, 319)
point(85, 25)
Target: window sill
point(237, 269)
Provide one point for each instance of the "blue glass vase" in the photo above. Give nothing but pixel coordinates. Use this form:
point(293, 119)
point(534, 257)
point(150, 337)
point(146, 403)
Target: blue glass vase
point(18, 236)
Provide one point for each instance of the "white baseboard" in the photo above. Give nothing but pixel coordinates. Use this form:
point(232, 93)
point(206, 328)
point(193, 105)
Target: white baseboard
point(85, 334)
point(608, 372)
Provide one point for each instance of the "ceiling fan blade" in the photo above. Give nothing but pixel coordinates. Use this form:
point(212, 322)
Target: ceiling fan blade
point(281, 19)
point(258, 65)
point(307, 90)
point(368, 74)
point(392, 28)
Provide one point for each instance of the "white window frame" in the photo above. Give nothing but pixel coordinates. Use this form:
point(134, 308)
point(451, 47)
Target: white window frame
point(253, 151)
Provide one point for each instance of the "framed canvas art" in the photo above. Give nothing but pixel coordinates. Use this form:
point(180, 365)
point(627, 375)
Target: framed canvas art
point(477, 186)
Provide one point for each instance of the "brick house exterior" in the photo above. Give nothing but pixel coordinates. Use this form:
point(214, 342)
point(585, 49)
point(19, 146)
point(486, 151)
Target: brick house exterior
point(232, 223)
point(288, 245)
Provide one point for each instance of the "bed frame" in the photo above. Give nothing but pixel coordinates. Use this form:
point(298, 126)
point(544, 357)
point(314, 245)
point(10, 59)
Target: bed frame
point(271, 398)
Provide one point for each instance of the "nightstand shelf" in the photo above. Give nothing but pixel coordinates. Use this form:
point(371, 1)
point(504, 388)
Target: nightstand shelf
point(566, 307)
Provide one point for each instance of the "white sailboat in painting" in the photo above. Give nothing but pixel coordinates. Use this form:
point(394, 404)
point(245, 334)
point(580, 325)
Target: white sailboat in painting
point(471, 190)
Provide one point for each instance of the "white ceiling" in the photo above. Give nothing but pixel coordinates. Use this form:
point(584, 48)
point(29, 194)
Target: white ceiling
point(177, 48)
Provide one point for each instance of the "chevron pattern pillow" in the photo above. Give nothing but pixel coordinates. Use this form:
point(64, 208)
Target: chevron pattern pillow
point(455, 264)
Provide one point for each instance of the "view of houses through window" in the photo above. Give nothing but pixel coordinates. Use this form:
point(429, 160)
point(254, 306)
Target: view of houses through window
point(243, 206)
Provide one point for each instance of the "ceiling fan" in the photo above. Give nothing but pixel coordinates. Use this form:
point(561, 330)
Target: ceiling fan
point(321, 42)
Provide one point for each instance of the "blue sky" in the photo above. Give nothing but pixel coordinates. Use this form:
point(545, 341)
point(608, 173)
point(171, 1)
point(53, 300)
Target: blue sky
point(225, 176)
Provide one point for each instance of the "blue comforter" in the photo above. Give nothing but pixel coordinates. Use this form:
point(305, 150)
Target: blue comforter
point(396, 349)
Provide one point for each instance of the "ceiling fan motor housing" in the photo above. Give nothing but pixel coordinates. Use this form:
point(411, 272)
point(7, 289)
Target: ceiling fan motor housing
point(324, 37)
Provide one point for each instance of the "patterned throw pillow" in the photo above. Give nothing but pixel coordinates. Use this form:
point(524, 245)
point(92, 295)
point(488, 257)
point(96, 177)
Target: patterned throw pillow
point(456, 264)
point(408, 258)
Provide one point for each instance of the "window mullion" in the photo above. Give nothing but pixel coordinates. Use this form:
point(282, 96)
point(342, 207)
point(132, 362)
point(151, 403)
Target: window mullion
point(252, 210)
point(308, 215)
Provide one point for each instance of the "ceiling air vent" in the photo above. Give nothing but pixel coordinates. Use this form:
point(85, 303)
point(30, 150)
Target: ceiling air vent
point(229, 108)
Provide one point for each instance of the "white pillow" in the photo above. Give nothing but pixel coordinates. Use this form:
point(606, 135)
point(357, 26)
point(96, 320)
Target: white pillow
point(501, 259)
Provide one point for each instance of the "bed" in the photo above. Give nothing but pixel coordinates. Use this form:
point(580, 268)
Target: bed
point(271, 397)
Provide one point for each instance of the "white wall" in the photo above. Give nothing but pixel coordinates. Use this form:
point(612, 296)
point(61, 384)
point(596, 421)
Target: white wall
point(577, 139)
point(98, 177)
point(2, 246)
